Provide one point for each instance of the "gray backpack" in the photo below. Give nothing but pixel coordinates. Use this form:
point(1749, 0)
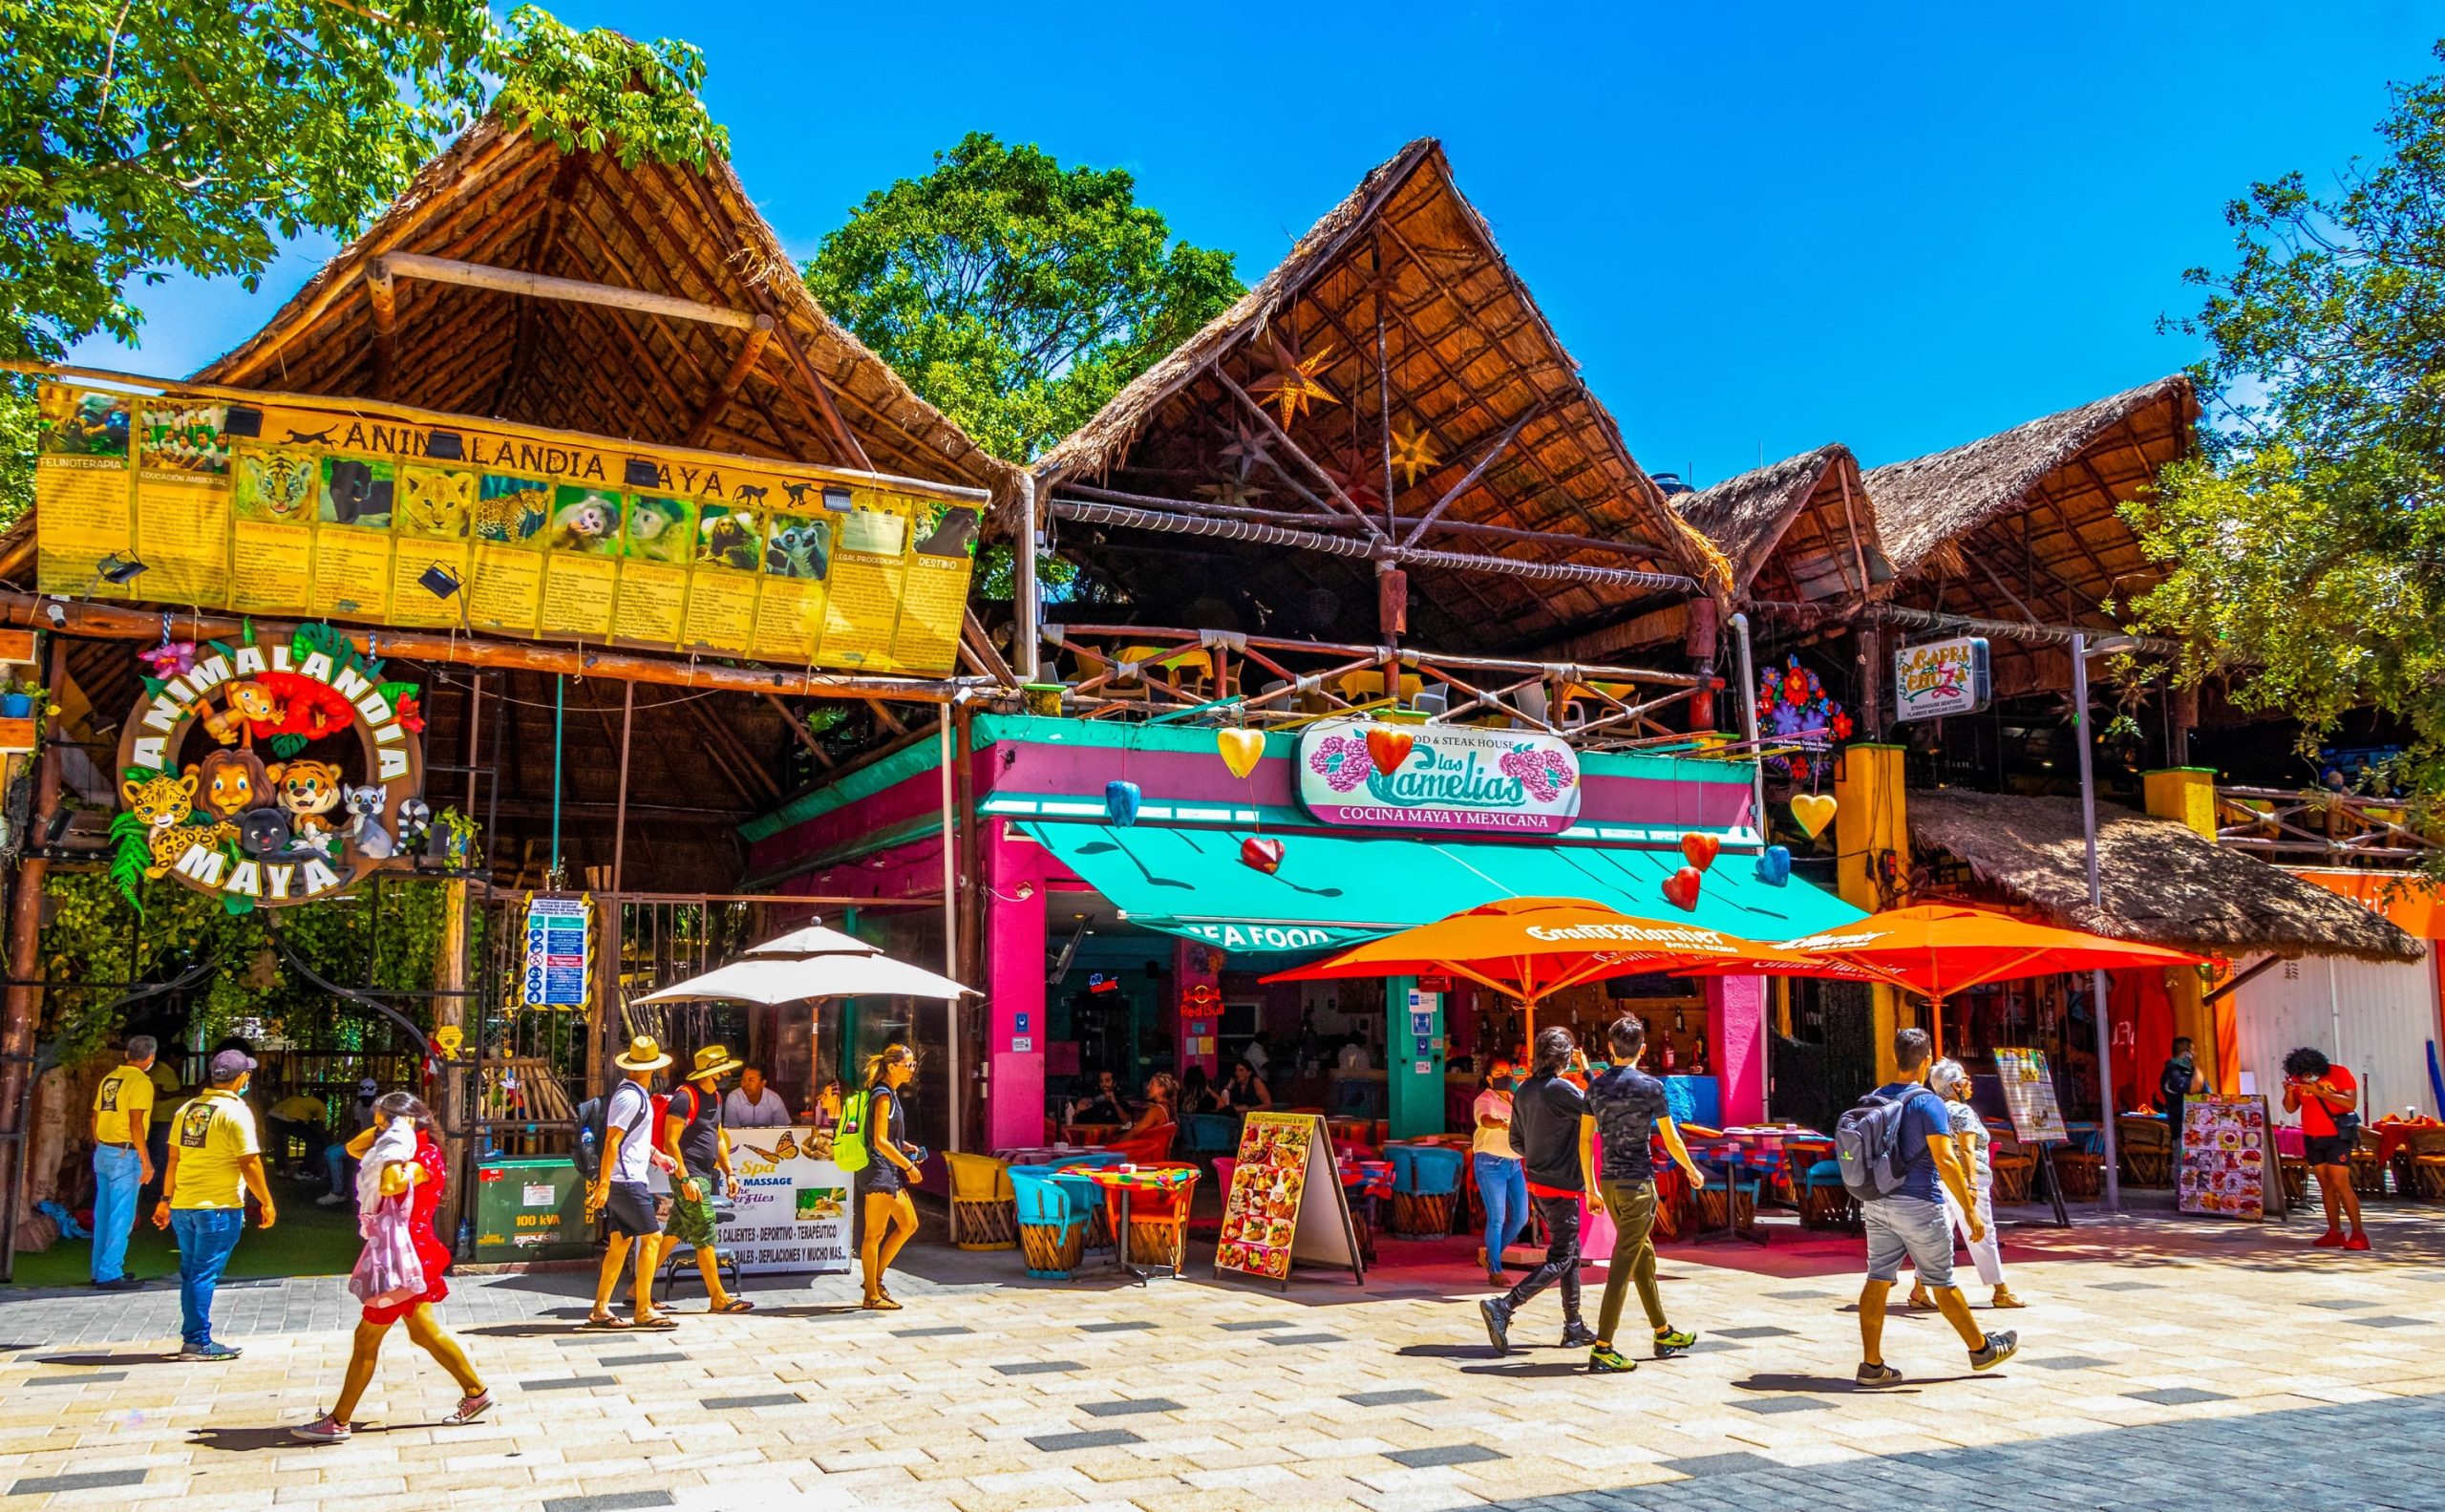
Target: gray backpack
point(1867, 1144)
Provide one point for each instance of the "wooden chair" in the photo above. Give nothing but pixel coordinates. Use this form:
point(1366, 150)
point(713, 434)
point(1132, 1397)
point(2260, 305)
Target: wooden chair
point(2147, 1147)
point(2422, 1159)
point(1824, 1202)
point(2368, 1171)
point(1052, 1232)
point(2081, 1173)
point(2014, 1165)
point(2296, 1180)
point(1151, 1147)
point(984, 1205)
point(1742, 1194)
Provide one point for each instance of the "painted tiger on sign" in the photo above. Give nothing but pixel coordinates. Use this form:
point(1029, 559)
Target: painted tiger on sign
point(276, 486)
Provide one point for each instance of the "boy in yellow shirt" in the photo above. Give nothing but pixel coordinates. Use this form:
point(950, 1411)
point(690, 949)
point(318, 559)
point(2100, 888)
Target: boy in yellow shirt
point(214, 1149)
point(122, 1167)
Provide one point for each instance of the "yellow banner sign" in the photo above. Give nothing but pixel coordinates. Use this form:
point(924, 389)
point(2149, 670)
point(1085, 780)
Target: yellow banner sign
point(284, 510)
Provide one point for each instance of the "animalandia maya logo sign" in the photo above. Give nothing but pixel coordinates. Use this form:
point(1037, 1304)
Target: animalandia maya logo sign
point(342, 797)
point(1438, 776)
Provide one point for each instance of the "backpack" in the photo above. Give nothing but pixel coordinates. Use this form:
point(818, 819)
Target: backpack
point(1867, 1144)
point(593, 1132)
point(849, 1150)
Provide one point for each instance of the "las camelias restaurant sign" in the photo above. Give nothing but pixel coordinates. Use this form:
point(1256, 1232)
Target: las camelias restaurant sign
point(1438, 776)
point(1941, 677)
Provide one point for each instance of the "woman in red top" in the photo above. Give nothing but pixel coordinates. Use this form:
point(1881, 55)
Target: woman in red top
point(424, 1176)
point(2327, 1099)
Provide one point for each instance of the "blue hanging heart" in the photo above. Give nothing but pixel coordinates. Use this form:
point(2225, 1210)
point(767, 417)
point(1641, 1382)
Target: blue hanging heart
point(1774, 865)
point(1120, 802)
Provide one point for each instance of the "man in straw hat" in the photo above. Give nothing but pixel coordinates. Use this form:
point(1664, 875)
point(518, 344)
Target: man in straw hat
point(692, 1130)
point(619, 1190)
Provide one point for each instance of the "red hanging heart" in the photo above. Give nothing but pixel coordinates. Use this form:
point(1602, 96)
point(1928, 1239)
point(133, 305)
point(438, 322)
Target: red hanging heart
point(1701, 850)
point(1681, 889)
point(1388, 749)
point(1265, 855)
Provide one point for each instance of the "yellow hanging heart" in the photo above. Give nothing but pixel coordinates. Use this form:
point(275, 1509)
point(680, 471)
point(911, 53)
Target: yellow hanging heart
point(1240, 749)
point(1814, 811)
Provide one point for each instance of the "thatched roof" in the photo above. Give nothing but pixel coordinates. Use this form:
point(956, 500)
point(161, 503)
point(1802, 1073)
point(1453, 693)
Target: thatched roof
point(1467, 356)
point(2044, 494)
point(1797, 531)
point(500, 198)
point(2163, 883)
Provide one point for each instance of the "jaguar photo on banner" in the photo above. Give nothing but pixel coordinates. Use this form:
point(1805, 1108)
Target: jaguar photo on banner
point(293, 508)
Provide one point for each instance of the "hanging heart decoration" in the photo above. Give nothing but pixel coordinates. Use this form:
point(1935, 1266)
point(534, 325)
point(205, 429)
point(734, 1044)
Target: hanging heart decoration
point(1240, 749)
point(1814, 811)
point(1120, 802)
point(1265, 855)
point(1701, 850)
point(1388, 749)
point(1681, 889)
point(1774, 865)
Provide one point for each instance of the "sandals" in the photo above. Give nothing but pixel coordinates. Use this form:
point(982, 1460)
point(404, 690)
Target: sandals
point(470, 1408)
point(879, 1303)
point(654, 1323)
point(736, 1305)
point(602, 1322)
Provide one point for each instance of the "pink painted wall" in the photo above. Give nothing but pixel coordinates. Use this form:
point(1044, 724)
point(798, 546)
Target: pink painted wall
point(1737, 1032)
point(1015, 990)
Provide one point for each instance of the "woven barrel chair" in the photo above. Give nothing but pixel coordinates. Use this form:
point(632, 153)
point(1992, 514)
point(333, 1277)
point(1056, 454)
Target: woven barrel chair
point(2013, 1166)
point(2421, 1159)
point(1425, 1187)
point(2368, 1171)
point(984, 1205)
point(1052, 1232)
point(2147, 1149)
point(2081, 1173)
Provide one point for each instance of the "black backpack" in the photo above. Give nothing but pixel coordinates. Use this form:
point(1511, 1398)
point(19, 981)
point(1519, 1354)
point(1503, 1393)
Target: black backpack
point(593, 1132)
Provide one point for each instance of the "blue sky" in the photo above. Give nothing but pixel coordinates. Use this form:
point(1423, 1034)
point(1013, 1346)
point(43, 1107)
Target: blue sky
point(1758, 229)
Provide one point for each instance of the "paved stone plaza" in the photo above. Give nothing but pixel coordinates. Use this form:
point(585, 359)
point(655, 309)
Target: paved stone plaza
point(2165, 1364)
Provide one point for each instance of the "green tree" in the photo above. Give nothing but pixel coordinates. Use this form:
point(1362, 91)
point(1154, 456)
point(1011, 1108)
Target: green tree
point(2308, 541)
point(1016, 296)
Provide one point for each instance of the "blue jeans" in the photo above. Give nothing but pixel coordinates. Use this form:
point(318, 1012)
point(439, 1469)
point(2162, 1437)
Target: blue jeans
point(206, 1236)
point(1502, 1185)
point(118, 1171)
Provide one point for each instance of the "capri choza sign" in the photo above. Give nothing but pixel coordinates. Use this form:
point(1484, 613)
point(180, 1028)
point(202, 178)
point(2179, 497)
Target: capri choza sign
point(1359, 773)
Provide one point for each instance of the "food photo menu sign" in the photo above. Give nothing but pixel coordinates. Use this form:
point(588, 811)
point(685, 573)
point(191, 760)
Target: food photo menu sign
point(2227, 1150)
point(1285, 1202)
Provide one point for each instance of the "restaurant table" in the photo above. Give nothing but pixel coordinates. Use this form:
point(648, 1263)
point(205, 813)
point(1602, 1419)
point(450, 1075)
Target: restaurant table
point(1044, 1154)
point(1119, 1182)
point(2392, 1132)
point(1722, 1165)
point(1366, 1183)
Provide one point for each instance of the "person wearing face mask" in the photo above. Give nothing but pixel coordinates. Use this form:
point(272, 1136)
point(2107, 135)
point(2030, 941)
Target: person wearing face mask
point(1502, 1184)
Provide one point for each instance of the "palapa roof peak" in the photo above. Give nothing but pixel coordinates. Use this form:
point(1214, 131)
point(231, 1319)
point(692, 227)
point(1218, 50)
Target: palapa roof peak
point(1512, 439)
point(762, 370)
point(2068, 471)
point(1807, 518)
point(2163, 883)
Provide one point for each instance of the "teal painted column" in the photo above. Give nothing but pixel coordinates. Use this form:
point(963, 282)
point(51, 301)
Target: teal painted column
point(1414, 1075)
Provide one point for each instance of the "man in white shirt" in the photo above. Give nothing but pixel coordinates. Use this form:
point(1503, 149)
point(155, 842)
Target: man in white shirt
point(753, 1105)
point(1354, 1056)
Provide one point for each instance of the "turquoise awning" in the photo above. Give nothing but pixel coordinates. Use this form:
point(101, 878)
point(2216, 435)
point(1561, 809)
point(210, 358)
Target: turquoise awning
point(1335, 890)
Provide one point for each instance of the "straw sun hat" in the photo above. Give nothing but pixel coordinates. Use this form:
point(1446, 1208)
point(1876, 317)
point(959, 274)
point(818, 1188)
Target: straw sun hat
point(644, 1054)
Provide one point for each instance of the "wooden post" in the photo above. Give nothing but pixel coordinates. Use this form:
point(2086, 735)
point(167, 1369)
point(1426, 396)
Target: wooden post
point(1873, 700)
point(2182, 717)
point(24, 1009)
point(458, 1101)
point(620, 805)
point(1698, 644)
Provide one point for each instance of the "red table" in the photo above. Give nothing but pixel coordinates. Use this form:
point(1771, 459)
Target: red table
point(1171, 1184)
point(2392, 1132)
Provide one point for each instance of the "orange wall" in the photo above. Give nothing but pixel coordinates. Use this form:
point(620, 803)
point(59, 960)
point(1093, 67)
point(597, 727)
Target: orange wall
point(2415, 907)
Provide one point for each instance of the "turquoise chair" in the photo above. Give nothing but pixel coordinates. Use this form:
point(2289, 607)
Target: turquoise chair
point(1052, 1232)
point(1210, 1135)
point(1425, 1187)
point(1824, 1202)
point(1404, 1172)
point(1085, 1198)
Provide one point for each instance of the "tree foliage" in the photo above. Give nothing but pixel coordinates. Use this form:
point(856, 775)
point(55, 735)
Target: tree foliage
point(2307, 543)
point(1016, 296)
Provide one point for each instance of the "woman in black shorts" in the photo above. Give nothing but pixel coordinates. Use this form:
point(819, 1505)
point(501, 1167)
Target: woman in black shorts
point(891, 1169)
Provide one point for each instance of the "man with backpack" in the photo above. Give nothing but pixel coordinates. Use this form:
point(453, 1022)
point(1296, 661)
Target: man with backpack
point(616, 1188)
point(1896, 1156)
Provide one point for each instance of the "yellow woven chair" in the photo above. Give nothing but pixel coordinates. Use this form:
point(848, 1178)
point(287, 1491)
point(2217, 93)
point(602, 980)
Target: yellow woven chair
point(984, 1210)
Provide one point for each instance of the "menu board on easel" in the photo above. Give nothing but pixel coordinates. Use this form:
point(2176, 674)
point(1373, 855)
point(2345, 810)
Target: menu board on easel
point(2028, 1096)
point(1274, 1214)
point(2227, 1153)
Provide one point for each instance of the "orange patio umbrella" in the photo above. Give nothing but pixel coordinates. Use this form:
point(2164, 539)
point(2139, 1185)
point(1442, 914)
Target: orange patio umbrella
point(1940, 950)
point(1528, 948)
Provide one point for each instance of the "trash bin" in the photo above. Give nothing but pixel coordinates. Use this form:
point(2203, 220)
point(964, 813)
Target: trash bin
point(530, 1210)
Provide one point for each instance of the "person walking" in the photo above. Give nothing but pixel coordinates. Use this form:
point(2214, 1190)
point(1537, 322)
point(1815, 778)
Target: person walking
point(1630, 1108)
point(1909, 1222)
point(1974, 1145)
point(619, 1190)
point(1503, 1187)
point(2328, 1098)
point(214, 1152)
point(419, 1180)
point(891, 1171)
point(2181, 1080)
point(122, 1165)
point(1556, 1139)
point(694, 1132)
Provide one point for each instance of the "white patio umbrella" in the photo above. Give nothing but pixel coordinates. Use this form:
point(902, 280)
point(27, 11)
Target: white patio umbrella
point(813, 962)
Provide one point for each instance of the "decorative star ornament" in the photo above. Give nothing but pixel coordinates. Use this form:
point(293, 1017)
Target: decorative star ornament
point(1292, 385)
point(1248, 451)
point(1412, 454)
point(1231, 491)
point(1352, 473)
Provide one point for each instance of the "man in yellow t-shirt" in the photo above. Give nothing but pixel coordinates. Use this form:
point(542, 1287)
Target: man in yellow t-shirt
point(214, 1150)
point(122, 1167)
point(169, 1095)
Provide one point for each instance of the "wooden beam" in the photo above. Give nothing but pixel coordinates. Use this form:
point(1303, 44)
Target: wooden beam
point(732, 381)
point(574, 290)
point(1469, 479)
point(890, 721)
point(797, 727)
point(1332, 488)
point(383, 295)
point(979, 647)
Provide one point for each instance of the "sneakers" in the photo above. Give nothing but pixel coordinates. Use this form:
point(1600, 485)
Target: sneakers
point(470, 1408)
point(1497, 1315)
point(2000, 1347)
point(208, 1353)
point(133, 1283)
point(1606, 1360)
point(324, 1430)
point(329, 1200)
point(1876, 1374)
point(2359, 1240)
point(2331, 1238)
point(1672, 1341)
point(1578, 1334)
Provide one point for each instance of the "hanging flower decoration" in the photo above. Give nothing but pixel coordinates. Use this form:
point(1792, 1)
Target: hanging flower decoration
point(169, 659)
point(1793, 709)
point(1292, 385)
point(1412, 454)
point(411, 713)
